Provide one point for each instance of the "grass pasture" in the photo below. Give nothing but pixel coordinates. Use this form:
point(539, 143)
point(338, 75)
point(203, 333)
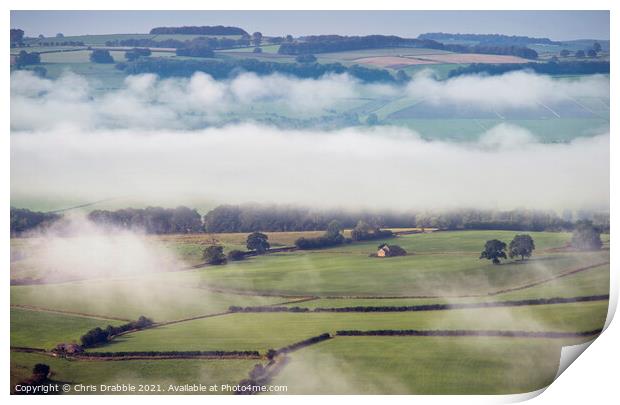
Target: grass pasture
point(44, 330)
point(423, 365)
point(443, 265)
point(158, 298)
point(262, 331)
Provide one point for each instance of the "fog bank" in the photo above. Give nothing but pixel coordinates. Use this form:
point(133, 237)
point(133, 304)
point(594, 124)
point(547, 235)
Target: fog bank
point(381, 167)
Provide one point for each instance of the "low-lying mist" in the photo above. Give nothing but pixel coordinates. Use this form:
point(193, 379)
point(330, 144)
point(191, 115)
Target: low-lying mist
point(145, 101)
point(76, 248)
point(155, 140)
point(381, 167)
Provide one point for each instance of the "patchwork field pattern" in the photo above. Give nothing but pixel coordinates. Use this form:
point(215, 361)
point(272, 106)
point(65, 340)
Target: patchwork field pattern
point(190, 310)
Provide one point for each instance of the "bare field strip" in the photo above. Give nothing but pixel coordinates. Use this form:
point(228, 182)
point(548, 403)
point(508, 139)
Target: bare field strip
point(474, 58)
point(387, 61)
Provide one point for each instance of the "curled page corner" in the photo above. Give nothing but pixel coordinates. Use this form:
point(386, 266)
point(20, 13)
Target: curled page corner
point(569, 354)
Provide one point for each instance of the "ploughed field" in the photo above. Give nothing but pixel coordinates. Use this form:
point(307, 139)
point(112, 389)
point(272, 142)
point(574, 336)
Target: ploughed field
point(441, 286)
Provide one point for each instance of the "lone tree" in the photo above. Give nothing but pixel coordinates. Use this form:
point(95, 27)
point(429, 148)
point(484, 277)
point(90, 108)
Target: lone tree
point(214, 254)
point(40, 372)
point(494, 250)
point(586, 236)
point(257, 241)
point(257, 38)
point(521, 245)
point(596, 46)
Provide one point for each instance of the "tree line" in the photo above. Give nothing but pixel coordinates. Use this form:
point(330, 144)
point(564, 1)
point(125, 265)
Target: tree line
point(23, 220)
point(488, 38)
point(224, 69)
point(549, 68)
point(496, 333)
point(200, 30)
point(337, 43)
point(174, 353)
point(212, 43)
point(286, 218)
point(97, 336)
point(156, 220)
point(426, 307)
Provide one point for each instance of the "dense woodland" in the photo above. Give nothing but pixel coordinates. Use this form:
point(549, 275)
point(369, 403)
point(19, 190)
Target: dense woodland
point(275, 218)
point(550, 68)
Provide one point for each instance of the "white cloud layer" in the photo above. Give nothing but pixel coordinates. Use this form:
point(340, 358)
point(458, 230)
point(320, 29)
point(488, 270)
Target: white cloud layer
point(148, 102)
point(384, 167)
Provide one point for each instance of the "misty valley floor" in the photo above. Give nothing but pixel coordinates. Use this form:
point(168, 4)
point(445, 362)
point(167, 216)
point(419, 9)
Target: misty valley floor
point(442, 268)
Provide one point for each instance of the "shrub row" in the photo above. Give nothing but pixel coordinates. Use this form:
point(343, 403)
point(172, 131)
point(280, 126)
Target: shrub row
point(266, 308)
point(299, 345)
point(97, 335)
point(491, 333)
point(214, 353)
point(427, 307)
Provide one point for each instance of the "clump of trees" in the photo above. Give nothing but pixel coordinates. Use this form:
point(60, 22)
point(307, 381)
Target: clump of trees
point(25, 58)
point(97, 336)
point(364, 231)
point(258, 242)
point(214, 254)
point(101, 56)
point(17, 38)
point(521, 245)
point(196, 50)
point(586, 236)
point(494, 250)
point(137, 53)
point(332, 237)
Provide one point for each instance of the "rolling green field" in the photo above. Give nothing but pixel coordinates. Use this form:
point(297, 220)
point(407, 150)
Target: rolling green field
point(128, 299)
point(45, 330)
point(262, 331)
point(441, 267)
point(423, 365)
